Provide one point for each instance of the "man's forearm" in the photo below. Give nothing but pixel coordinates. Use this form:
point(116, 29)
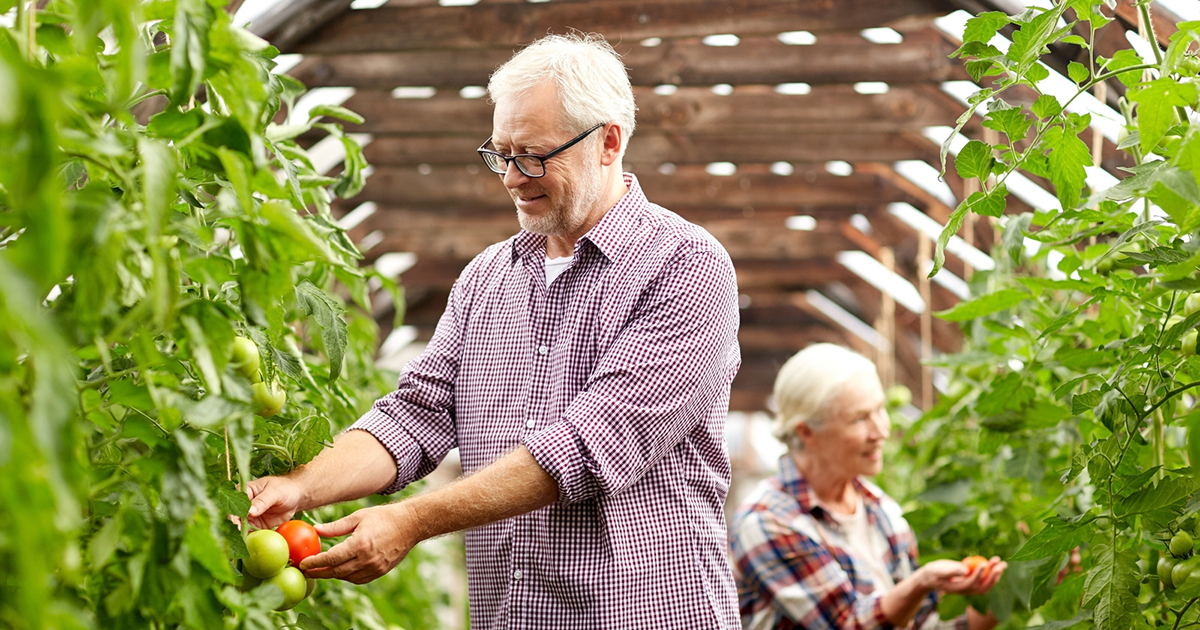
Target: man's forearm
point(512, 485)
point(357, 465)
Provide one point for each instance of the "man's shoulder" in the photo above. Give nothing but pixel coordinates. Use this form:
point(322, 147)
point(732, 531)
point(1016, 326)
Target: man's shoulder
point(676, 231)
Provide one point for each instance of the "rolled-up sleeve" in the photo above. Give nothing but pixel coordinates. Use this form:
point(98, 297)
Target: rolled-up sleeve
point(659, 379)
point(415, 423)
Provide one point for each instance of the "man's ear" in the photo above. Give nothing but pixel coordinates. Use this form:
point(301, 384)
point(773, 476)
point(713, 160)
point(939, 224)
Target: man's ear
point(611, 143)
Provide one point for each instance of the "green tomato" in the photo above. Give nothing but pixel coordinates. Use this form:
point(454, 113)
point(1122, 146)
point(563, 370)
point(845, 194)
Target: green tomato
point(245, 359)
point(268, 553)
point(1189, 65)
point(1191, 304)
point(1187, 345)
point(310, 586)
point(292, 582)
point(269, 401)
point(1165, 566)
point(898, 396)
point(1181, 544)
point(1186, 573)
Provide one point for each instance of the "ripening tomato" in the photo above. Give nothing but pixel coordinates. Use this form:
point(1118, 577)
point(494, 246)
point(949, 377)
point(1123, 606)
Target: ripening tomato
point(973, 562)
point(302, 540)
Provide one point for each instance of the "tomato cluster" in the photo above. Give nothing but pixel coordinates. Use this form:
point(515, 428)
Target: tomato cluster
point(1179, 567)
point(245, 358)
point(271, 552)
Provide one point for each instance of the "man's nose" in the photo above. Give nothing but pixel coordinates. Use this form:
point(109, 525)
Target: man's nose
point(513, 177)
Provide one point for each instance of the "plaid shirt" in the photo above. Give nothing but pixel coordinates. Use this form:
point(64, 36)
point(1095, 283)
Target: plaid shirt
point(616, 377)
point(793, 568)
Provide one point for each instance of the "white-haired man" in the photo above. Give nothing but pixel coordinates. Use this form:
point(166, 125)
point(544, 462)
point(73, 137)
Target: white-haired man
point(582, 368)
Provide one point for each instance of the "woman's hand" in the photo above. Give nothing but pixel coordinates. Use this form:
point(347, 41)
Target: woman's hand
point(949, 576)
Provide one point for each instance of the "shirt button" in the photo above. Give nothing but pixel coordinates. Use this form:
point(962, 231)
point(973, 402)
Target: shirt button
point(543, 349)
point(517, 574)
point(529, 424)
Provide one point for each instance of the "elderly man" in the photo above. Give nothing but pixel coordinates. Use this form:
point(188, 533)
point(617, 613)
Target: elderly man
point(582, 368)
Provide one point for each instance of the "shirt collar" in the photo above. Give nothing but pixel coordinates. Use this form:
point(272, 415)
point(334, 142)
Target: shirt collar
point(794, 483)
point(608, 235)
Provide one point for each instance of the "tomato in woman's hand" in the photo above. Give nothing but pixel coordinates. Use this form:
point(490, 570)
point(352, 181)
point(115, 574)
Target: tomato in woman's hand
point(973, 562)
point(302, 540)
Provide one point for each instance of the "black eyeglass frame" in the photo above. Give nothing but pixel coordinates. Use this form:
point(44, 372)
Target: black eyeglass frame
point(541, 158)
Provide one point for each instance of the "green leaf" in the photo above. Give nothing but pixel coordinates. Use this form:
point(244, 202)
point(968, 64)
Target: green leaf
point(202, 357)
point(1084, 615)
point(1168, 492)
point(1124, 58)
point(983, 27)
point(313, 440)
point(1068, 157)
point(204, 548)
point(1077, 72)
point(1075, 39)
point(1046, 106)
point(1157, 101)
point(232, 501)
point(974, 160)
point(104, 544)
point(328, 313)
point(1111, 586)
point(1085, 401)
point(189, 48)
point(1012, 122)
point(984, 305)
point(1058, 536)
point(335, 111)
point(174, 124)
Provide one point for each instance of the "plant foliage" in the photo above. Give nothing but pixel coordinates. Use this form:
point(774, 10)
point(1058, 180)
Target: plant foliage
point(1070, 422)
point(132, 251)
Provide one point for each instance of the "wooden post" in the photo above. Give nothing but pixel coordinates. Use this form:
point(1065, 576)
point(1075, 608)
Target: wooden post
point(886, 325)
point(924, 258)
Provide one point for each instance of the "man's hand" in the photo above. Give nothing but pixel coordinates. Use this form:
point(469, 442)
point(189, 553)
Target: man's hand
point(379, 539)
point(273, 501)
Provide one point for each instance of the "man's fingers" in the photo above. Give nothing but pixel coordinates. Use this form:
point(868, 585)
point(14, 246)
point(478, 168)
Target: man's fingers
point(338, 554)
point(340, 527)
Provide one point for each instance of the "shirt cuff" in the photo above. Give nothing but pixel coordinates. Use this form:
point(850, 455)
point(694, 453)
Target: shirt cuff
point(399, 444)
point(881, 621)
point(560, 452)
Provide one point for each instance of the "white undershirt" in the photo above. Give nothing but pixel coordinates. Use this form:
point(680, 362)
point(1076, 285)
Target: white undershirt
point(555, 266)
point(866, 544)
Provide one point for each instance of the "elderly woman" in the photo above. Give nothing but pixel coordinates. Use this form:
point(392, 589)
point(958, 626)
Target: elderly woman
point(818, 546)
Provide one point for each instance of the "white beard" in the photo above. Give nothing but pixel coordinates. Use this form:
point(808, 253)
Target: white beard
point(572, 210)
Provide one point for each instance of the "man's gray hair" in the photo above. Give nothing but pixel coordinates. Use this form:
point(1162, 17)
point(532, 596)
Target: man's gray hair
point(593, 85)
point(807, 385)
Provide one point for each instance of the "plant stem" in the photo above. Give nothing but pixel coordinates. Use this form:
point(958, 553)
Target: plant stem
point(1179, 617)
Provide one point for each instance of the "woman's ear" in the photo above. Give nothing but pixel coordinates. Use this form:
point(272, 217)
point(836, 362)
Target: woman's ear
point(804, 432)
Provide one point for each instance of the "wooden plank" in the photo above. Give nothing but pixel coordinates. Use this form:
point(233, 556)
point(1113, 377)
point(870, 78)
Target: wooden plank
point(650, 149)
point(503, 24)
point(763, 60)
point(694, 111)
point(685, 188)
point(742, 239)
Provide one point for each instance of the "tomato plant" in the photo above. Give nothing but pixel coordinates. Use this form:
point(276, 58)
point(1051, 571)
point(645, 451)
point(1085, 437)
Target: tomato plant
point(151, 213)
point(1066, 428)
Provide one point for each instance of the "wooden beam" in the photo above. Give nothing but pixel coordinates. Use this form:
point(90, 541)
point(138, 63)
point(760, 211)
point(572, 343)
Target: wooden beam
point(514, 24)
point(742, 239)
point(763, 60)
point(827, 109)
point(686, 188)
point(651, 149)
point(289, 23)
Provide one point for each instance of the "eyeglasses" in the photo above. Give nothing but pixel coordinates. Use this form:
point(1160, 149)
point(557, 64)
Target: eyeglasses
point(531, 164)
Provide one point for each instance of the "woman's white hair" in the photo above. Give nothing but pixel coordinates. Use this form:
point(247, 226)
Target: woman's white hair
point(807, 385)
point(593, 85)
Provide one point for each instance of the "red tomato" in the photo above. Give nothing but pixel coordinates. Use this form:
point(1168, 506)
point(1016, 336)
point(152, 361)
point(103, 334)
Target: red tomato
point(974, 562)
point(302, 540)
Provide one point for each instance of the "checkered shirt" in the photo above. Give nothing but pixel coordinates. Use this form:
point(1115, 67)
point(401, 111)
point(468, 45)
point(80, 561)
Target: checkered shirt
point(793, 567)
point(616, 377)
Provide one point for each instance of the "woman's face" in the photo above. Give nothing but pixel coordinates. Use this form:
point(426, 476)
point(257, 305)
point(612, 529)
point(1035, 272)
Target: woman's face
point(850, 441)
